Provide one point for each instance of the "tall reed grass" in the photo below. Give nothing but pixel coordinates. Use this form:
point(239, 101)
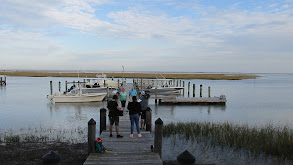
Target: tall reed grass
point(269, 139)
point(133, 75)
point(73, 135)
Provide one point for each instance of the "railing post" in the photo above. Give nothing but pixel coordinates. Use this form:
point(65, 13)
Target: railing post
point(209, 91)
point(149, 121)
point(102, 120)
point(91, 136)
point(183, 88)
point(59, 86)
point(158, 136)
point(51, 158)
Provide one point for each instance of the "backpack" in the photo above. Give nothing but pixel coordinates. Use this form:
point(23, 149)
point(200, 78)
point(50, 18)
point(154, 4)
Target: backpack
point(99, 146)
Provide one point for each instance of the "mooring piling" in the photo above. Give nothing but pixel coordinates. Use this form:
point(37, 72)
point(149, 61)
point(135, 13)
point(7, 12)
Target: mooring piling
point(158, 136)
point(102, 120)
point(91, 135)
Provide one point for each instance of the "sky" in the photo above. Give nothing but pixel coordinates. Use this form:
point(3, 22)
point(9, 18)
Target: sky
point(247, 36)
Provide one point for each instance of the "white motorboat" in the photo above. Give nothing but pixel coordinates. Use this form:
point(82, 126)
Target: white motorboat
point(76, 97)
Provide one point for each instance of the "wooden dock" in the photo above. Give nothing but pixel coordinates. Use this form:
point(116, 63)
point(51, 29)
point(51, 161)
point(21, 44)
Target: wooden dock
point(194, 100)
point(125, 150)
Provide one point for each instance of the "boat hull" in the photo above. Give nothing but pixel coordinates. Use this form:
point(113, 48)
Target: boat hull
point(79, 98)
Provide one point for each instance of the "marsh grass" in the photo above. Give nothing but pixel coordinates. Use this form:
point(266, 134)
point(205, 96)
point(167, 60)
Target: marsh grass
point(268, 140)
point(133, 75)
point(74, 135)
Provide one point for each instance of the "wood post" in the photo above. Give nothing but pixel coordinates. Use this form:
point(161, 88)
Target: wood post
point(188, 89)
point(200, 91)
point(183, 88)
point(104, 83)
point(59, 86)
point(51, 88)
point(193, 90)
point(156, 93)
point(141, 85)
point(102, 120)
point(177, 83)
point(209, 91)
point(91, 136)
point(51, 158)
point(158, 136)
point(149, 121)
point(108, 93)
point(180, 83)
point(66, 88)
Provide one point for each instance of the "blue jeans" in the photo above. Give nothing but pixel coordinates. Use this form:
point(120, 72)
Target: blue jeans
point(134, 118)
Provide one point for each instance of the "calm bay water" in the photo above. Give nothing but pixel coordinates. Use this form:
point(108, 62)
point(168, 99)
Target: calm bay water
point(266, 100)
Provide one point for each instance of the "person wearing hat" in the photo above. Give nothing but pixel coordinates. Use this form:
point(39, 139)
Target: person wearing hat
point(144, 102)
point(114, 115)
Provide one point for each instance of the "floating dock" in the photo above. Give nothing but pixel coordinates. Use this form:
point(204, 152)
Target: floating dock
point(195, 100)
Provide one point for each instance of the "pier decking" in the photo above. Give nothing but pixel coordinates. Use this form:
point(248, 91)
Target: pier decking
point(195, 100)
point(125, 150)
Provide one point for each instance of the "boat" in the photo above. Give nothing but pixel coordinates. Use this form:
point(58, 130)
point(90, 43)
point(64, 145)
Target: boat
point(158, 86)
point(76, 96)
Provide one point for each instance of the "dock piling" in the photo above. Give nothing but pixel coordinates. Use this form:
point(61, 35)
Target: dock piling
point(51, 158)
point(209, 89)
point(91, 136)
point(102, 120)
point(193, 90)
point(188, 89)
point(149, 121)
point(158, 136)
point(51, 87)
point(59, 86)
point(200, 90)
point(66, 88)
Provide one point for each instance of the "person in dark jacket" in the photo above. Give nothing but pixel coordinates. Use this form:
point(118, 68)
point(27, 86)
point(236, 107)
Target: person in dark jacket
point(114, 115)
point(134, 110)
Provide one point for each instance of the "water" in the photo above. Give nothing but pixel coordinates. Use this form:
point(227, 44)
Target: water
point(266, 100)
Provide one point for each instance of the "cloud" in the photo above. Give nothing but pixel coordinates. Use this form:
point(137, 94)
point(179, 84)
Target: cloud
point(184, 33)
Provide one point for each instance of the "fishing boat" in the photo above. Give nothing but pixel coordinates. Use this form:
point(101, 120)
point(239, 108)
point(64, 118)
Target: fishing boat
point(76, 96)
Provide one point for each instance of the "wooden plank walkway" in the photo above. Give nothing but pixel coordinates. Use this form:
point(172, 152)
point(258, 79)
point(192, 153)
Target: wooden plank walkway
point(125, 150)
point(194, 100)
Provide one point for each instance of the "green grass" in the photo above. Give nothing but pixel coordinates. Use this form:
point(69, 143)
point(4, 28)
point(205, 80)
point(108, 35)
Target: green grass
point(270, 140)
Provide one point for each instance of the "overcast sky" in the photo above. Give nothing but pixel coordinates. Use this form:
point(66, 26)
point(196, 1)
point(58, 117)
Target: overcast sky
point(147, 35)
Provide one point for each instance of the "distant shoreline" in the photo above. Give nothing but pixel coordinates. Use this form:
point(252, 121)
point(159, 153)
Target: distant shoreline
point(212, 76)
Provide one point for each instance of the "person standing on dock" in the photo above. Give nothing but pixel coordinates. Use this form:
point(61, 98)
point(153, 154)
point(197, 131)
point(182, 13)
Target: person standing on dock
point(132, 93)
point(123, 98)
point(144, 102)
point(114, 115)
point(134, 110)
